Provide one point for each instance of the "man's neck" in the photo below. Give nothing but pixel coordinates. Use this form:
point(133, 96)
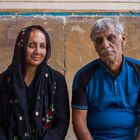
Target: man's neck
point(115, 66)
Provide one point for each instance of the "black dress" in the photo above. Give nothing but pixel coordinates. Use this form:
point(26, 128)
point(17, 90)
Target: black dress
point(58, 126)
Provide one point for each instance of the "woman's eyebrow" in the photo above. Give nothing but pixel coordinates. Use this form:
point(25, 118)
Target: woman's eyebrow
point(31, 40)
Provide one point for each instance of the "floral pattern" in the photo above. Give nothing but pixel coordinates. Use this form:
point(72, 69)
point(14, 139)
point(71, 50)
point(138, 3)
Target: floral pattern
point(49, 117)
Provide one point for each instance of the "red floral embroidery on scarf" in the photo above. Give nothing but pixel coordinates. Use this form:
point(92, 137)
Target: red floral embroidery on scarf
point(49, 117)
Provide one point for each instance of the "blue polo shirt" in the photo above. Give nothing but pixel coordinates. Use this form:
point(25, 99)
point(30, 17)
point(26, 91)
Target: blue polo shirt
point(112, 100)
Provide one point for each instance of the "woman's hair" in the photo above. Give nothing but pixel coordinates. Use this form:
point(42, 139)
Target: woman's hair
point(104, 23)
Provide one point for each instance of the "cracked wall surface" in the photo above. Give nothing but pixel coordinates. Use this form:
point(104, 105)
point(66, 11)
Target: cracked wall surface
point(71, 44)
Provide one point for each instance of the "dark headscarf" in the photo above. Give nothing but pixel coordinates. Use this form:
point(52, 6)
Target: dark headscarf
point(43, 91)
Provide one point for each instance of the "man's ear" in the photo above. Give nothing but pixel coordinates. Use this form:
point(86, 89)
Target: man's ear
point(123, 39)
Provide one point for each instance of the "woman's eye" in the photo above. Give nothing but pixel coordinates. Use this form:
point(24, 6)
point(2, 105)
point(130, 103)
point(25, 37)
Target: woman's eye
point(31, 45)
point(43, 46)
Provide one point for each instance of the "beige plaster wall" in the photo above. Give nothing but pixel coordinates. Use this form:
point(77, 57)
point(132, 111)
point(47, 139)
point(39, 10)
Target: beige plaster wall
point(70, 5)
point(71, 45)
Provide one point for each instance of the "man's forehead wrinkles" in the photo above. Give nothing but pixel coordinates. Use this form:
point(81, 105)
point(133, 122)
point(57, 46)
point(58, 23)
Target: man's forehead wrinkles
point(104, 34)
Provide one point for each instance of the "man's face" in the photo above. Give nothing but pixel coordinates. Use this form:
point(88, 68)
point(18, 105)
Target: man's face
point(108, 45)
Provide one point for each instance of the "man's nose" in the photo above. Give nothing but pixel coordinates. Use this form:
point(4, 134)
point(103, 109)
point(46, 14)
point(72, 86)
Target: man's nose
point(105, 43)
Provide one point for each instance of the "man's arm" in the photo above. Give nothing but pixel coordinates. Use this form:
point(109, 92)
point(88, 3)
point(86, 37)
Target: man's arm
point(79, 120)
point(138, 136)
point(138, 133)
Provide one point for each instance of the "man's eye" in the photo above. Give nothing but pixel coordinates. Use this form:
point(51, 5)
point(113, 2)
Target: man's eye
point(111, 38)
point(98, 41)
point(31, 45)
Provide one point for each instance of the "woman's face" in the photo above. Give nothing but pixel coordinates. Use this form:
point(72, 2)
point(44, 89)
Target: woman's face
point(36, 48)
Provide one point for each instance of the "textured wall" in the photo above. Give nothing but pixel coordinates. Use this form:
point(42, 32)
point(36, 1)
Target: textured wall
point(71, 45)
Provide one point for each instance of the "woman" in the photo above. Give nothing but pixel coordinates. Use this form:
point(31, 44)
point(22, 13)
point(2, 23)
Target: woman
point(33, 97)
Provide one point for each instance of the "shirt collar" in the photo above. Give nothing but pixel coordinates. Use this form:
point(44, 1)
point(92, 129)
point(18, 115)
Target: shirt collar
point(109, 70)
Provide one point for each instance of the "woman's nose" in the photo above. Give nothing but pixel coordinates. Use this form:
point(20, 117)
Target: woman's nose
point(37, 50)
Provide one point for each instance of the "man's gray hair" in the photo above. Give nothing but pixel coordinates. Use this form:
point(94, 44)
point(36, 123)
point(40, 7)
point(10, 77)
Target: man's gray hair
point(104, 24)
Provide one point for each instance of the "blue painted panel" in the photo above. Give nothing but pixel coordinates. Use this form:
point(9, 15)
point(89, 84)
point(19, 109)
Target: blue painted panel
point(29, 14)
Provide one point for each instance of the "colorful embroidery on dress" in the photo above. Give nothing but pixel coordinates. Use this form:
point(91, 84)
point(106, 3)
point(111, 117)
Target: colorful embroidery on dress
point(49, 117)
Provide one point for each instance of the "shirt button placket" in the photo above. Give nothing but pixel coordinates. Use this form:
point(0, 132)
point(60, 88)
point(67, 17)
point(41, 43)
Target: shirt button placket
point(116, 88)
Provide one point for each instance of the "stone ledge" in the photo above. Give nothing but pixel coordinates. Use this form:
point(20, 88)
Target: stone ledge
point(70, 6)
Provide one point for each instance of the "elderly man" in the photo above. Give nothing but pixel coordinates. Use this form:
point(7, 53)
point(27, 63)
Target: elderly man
point(105, 92)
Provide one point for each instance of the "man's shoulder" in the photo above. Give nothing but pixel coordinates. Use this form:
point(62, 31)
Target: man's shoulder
point(134, 63)
point(132, 60)
point(89, 68)
point(85, 73)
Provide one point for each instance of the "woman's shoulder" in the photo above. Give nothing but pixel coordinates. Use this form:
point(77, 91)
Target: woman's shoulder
point(4, 76)
point(59, 78)
point(56, 73)
point(3, 80)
